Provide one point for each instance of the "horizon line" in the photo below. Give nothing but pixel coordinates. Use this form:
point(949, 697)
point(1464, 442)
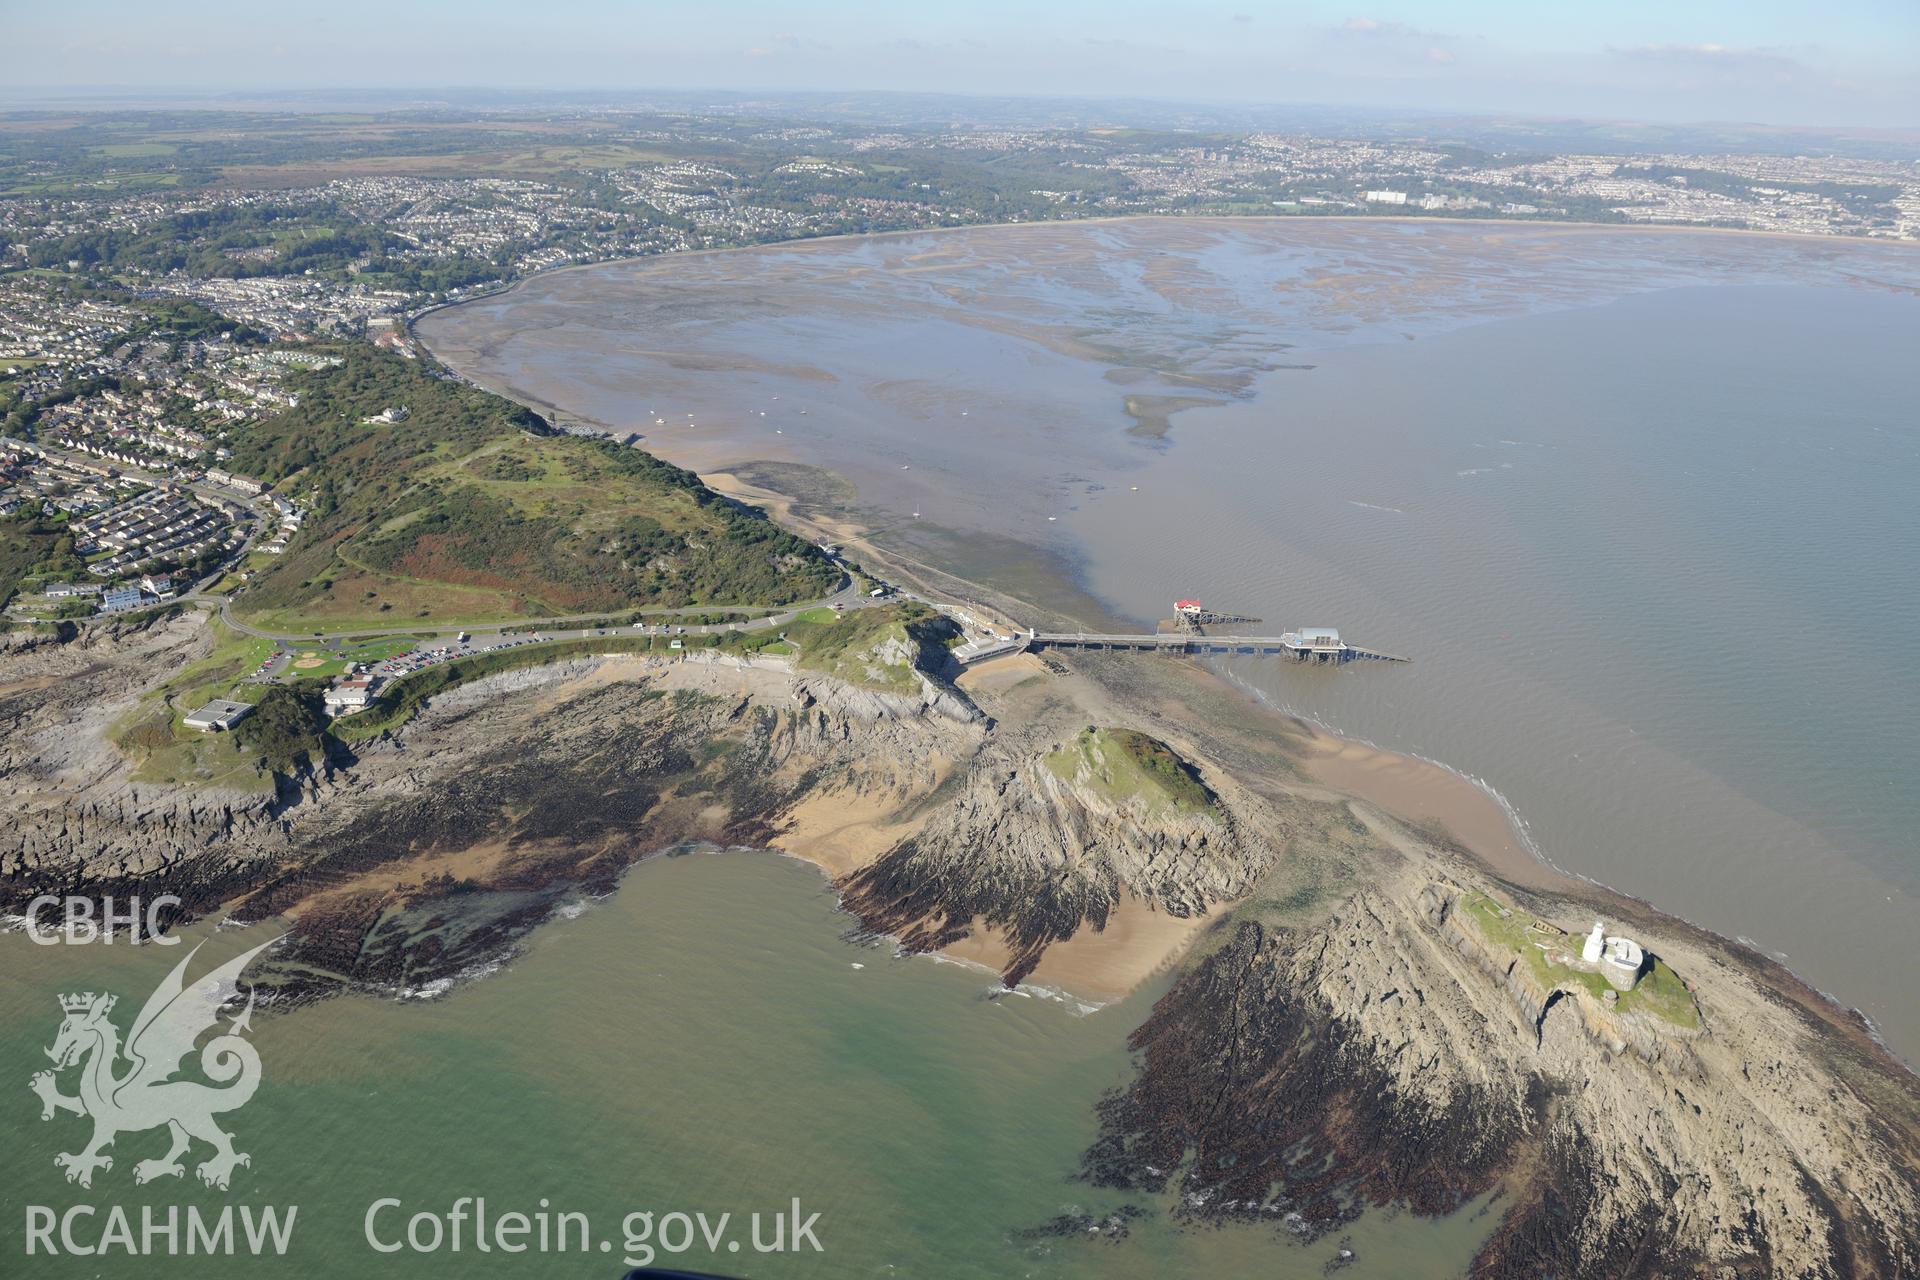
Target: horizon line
point(21, 93)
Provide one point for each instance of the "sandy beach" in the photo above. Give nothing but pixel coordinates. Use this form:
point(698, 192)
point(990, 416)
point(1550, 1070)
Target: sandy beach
point(1099, 966)
point(840, 832)
point(1431, 799)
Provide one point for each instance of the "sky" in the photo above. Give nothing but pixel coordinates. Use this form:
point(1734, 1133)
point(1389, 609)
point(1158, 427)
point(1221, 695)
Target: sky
point(1839, 62)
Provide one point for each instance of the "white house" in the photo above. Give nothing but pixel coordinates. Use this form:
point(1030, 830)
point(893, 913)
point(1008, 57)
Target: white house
point(349, 696)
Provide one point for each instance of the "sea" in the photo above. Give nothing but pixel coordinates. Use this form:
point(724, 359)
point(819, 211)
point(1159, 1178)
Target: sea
point(703, 1041)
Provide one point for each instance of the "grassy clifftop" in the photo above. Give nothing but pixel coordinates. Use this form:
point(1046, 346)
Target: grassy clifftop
point(472, 509)
point(1125, 764)
point(1659, 992)
point(881, 649)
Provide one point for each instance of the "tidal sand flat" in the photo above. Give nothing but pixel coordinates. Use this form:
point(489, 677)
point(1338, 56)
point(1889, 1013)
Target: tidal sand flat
point(1636, 501)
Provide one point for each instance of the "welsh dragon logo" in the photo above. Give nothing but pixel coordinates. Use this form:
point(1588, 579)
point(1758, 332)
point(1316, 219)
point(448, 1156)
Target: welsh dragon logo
point(144, 1094)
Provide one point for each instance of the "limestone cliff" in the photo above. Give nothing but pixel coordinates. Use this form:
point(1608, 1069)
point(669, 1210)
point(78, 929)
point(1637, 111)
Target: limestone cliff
point(75, 815)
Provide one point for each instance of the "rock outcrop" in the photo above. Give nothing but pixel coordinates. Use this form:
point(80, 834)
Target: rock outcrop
point(75, 819)
point(1039, 851)
point(1384, 1055)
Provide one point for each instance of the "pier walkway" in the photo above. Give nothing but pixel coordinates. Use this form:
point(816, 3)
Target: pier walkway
point(1303, 644)
point(1292, 645)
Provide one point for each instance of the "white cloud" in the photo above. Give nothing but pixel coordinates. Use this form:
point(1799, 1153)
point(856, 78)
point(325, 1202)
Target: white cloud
point(1394, 42)
point(1706, 53)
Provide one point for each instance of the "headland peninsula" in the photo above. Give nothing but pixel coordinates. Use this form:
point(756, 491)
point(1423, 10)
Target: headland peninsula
point(1376, 997)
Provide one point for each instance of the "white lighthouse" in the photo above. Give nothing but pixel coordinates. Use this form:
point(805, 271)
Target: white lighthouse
point(1617, 959)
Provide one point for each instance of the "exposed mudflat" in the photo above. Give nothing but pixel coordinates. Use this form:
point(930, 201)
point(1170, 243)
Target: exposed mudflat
point(1580, 474)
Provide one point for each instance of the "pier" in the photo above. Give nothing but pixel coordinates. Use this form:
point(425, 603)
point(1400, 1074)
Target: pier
point(1305, 644)
point(1301, 647)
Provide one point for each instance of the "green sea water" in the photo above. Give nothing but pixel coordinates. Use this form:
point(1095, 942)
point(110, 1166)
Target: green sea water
point(704, 1040)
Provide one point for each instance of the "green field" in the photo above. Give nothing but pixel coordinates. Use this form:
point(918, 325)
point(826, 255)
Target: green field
point(162, 749)
point(108, 184)
point(192, 759)
point(517, 162)
point(222, 673)
point(324, 664)
point(135, 150)
point(285, 724)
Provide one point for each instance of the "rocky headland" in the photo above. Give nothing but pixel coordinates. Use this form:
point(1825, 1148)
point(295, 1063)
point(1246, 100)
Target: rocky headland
point(1366, 1013)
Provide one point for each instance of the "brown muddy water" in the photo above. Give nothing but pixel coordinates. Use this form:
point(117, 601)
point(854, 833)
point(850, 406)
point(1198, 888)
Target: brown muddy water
point(1639, 503)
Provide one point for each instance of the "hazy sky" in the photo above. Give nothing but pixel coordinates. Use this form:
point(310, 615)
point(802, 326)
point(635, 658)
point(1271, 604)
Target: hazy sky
point(1774, 61)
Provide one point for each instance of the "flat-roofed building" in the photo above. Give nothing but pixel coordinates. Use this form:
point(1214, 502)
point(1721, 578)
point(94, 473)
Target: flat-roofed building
point(218, 716)
point(1321, 644)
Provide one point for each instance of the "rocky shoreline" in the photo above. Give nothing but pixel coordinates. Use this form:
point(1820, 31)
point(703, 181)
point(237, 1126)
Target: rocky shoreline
point(1347, 1032)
